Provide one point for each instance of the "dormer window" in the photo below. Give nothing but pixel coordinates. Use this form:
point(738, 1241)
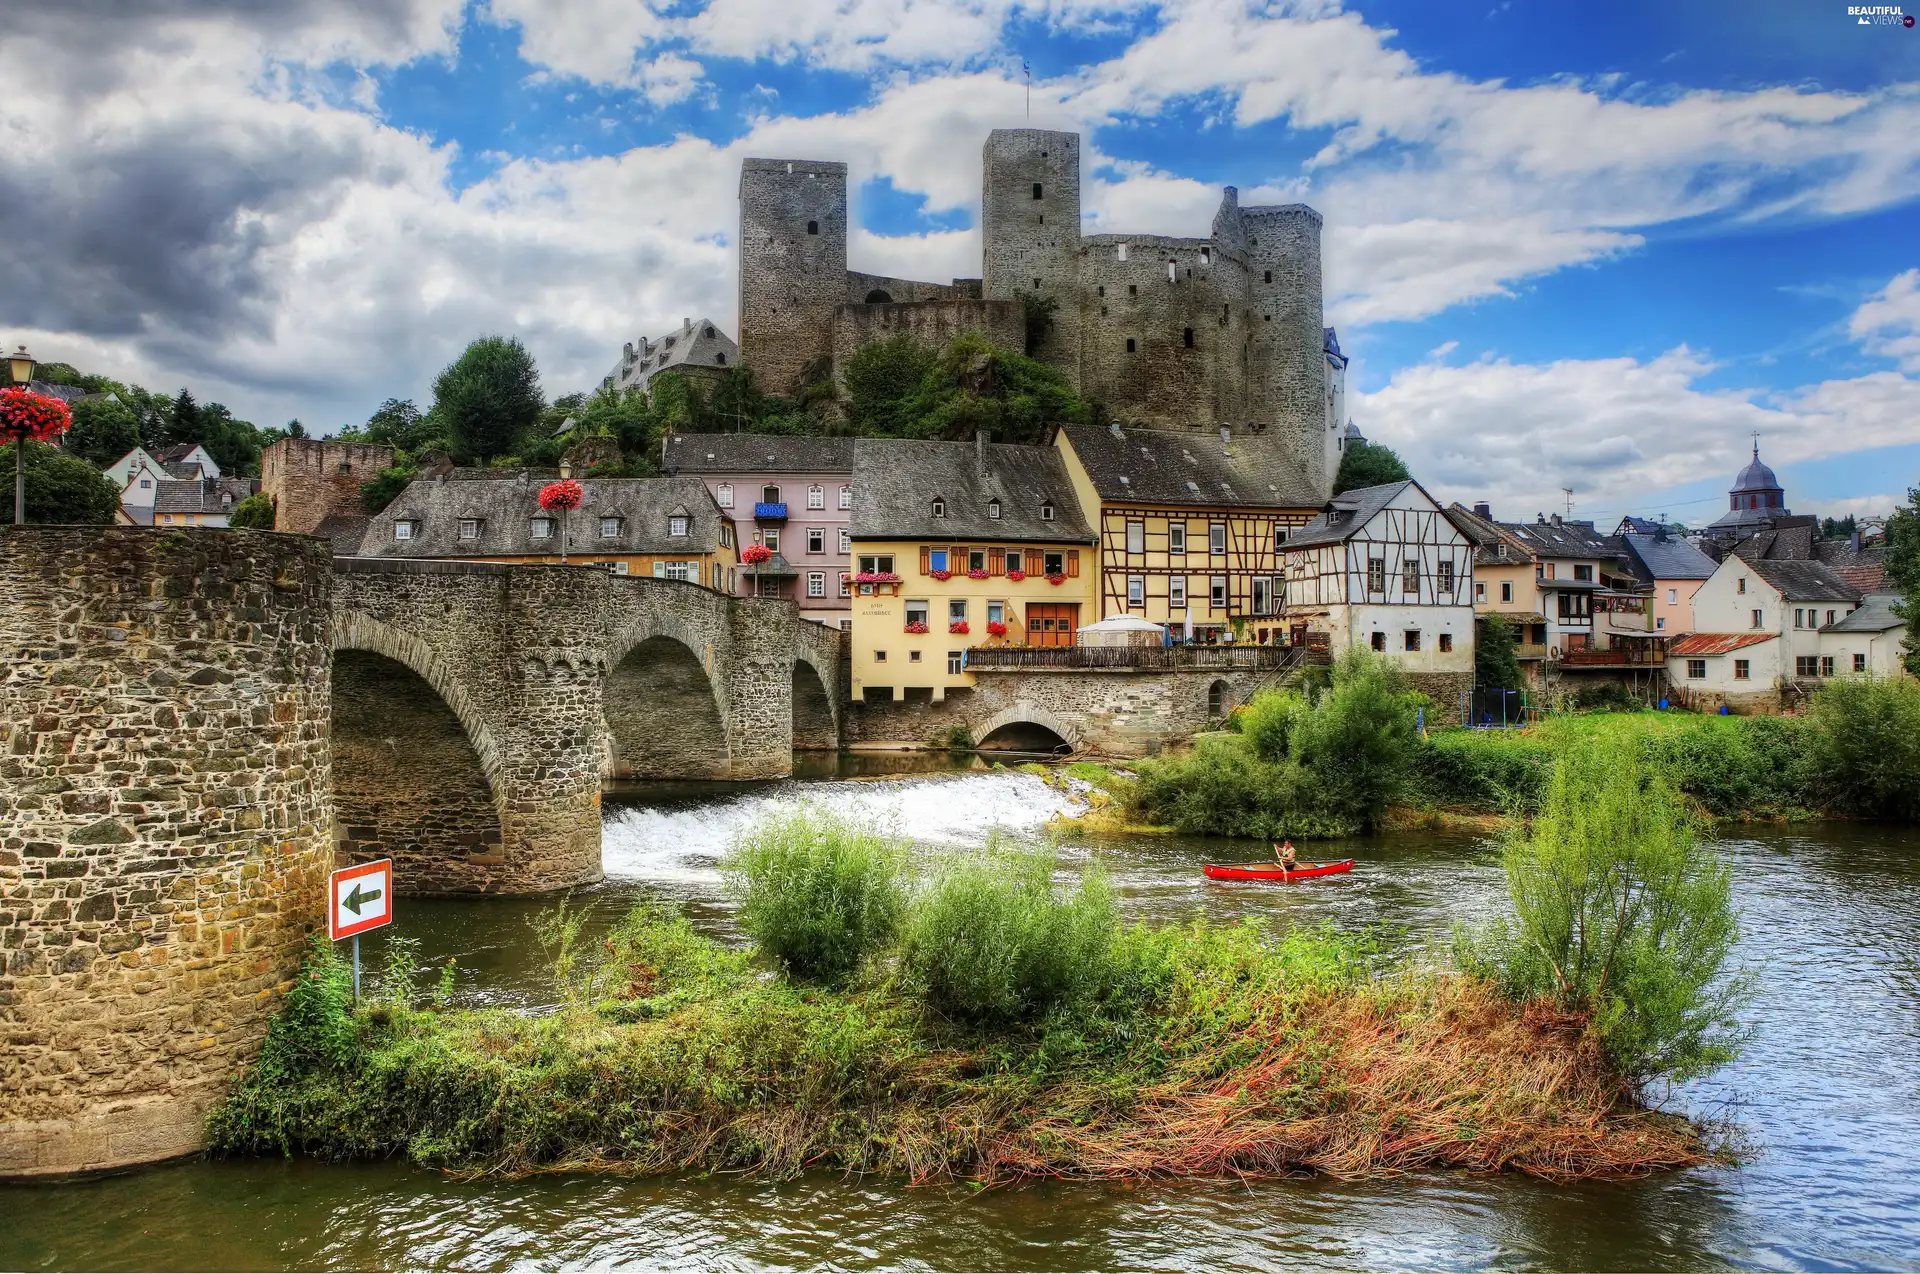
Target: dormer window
point(1046, 511)
point(540, 528)
point(679, 524)
point(469, 528)
point(939, 507)
point(993, 508)
point(610, 527)
point(405, 529)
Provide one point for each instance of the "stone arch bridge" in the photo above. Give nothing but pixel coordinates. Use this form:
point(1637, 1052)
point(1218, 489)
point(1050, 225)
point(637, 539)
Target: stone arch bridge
point(478, 707)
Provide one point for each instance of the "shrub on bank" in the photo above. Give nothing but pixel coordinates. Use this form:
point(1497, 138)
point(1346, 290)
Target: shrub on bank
point(1620, 913)
point(1863, 747)
point(816, 894)
point(990, 940)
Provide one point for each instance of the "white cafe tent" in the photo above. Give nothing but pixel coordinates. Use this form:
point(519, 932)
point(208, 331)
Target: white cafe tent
point(1123, 630)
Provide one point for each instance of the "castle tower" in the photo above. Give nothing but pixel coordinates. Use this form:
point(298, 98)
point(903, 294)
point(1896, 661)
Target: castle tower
point(311, 479)
point(793, 265)
point(1288, 367)
point(1030, 229)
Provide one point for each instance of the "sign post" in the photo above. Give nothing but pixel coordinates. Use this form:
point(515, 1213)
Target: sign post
point(358, 899)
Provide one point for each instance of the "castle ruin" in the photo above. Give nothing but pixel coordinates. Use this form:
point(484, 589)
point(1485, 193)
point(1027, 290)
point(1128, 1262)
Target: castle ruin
point(1222, 332)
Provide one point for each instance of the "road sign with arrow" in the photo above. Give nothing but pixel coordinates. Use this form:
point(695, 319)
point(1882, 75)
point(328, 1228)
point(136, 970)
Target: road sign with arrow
point(360, 898)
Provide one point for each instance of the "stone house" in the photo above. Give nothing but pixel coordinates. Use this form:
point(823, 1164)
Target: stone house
point(953, 541)
point(1869, 641)
point(794, 495)
point(1387, 569)
point(1758, 644)
point(669, 528)
point(1191, 526)
point(698, 350)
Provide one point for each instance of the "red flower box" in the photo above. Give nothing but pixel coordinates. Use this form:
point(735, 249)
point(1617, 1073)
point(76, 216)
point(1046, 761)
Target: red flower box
point(25, 414)
point(976, 574)
point(876, 577)
point(996, 629)
point(942, 575)
point(959, 629)
point(916, 628)
point(1056, 579)
point(1016, 576)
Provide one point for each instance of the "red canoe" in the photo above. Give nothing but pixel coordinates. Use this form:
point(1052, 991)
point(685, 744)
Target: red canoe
point(1273, 871)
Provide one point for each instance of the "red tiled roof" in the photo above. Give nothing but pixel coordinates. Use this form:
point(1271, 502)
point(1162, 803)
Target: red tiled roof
point(1715, 643)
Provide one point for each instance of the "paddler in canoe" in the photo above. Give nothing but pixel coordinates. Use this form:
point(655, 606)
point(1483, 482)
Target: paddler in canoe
point(1288, 858)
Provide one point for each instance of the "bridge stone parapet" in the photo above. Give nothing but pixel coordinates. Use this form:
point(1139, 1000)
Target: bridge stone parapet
point(164, 825)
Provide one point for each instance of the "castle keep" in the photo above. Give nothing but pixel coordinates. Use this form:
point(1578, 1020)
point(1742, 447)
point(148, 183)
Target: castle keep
point(1221, 332)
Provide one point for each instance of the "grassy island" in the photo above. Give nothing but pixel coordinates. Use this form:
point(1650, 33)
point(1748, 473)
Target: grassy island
point(977, 1021)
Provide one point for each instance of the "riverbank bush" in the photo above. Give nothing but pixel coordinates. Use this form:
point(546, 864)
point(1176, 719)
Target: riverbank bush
point(1208, 1051)
point(1324, 767)
point(990, 940)
point(1863, 745)
point(1621, 914)
point(817, 894)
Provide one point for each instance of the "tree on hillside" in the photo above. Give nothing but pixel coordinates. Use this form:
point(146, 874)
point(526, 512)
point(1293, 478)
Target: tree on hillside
point(1839, 528)
point(104, 429)
point(1495, 666)
point(902, 388)
point(183, 418)
point(63, 488)
point(1368, 464)
point(399, 424)
point(881, 378)
point(489, 398)
point(1903, 571)
point(257, 512)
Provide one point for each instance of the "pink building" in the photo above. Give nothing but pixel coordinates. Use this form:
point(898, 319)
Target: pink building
point(794, 495)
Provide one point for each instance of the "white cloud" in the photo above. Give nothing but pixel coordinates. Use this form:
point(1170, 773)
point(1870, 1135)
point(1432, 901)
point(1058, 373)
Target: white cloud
point(1888, 322)
point(1615, 430)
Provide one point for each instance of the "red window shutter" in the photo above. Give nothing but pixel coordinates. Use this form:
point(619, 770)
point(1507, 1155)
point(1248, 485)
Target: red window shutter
point(926, 559)
point(996, 561)
point(1073, 562)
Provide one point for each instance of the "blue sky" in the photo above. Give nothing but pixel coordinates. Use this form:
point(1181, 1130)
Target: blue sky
point(1595, 247)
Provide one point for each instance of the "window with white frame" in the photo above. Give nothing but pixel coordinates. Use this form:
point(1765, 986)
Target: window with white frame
point(993, 508)
point(679, 525)
point(1444, 576)
point(469, 528)
point(846, 497)
point(846, 584)
point(816, 583)
point(1046, 511)
point(1136, 537)
point(1410, 578)
point(996, 612)
point(610, 527)
point(1177, 537)
point(145, 483)
point(540, 528)
point(816, 539)
point(1217, 539)
point(937, 560)
point(680, 570)
point(976, 559)
point(816, 497)
point(403, 530)
point(1673, 596)
point(916, 611)
point(1506, 590)
point(1177, 591)
point(1136, 590)
point(1859, 663)
point(771, 538)
point(956, 661)
point(1759, 619)
point(1262, 595)
point(770, 495)
point(1479, 592)
point(846, 540)
point(939, 509)
point(1217, 593)
point(1053, 564)
point(1376, 575)
point(723, 495)
point(957, 611)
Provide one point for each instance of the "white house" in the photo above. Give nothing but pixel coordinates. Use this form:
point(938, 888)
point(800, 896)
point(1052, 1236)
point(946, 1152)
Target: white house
point(127, 467)
point(1867, 642)
point(1386, 568)
point(1757, 639)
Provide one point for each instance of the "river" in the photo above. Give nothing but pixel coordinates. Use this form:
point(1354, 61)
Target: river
point(1826, 1101)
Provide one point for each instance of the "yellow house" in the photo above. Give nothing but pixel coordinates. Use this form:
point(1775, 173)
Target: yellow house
point(668, 528)
point(957, 545)
point(1191, 526)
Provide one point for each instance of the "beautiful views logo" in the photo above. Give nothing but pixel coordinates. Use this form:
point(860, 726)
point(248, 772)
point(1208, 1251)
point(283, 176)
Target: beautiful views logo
point(1879, 15)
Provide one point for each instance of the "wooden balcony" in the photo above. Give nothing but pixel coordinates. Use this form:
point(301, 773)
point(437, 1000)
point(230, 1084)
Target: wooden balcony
point(1614, 658)
point(1530, 650)
point(1135, 658)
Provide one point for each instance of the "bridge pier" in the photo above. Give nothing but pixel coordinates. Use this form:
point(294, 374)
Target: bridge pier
point(164, 816)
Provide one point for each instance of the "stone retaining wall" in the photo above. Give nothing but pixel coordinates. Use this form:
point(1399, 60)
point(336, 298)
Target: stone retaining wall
point(164, 825)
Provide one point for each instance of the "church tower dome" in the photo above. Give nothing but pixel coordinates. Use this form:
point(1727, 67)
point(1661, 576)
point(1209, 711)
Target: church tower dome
point(1757, 496)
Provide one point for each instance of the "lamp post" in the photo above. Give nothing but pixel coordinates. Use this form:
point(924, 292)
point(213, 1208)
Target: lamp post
point(20, 371)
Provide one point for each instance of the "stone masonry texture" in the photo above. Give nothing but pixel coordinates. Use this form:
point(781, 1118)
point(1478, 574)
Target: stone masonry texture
point(164, 825)
point(310, 479)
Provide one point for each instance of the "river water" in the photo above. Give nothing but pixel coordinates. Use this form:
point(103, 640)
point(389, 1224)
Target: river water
point(1826, 1102)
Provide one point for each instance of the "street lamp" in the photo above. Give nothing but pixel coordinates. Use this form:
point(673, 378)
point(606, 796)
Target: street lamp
point(20, 371)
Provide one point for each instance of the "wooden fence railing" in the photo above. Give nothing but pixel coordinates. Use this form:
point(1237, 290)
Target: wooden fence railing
point(1137, 658)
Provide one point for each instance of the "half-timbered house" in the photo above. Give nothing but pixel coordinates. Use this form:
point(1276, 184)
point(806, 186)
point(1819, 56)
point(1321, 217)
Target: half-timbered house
point(1386, 569)
point(1191, 526)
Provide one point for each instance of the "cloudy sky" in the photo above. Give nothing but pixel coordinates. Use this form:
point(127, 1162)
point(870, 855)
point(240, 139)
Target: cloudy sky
point(1585, 246)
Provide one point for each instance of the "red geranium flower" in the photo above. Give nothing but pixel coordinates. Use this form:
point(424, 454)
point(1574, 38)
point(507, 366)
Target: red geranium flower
point(1016, 576)
point(976, 574)
point(942, 575)
point(958, 629)
point(562, 495)
point(1056, 579)
point(25, 414)
point(916, 627)
point(996, 629)
point(754, 554)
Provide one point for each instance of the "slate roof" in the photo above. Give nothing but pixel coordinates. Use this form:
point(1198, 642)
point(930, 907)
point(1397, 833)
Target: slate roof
point(696, 342)
point(51, 389)
point(757, 453)
point(1875, 615)
point(345, 531)
point(200, 495)
point(1348, 512)
point(1783, 541)
point(896, 480)
point(1563, 539)
point(1864, 568)
point(1697, 644)
point(1658, 557)
point(182, 472)
point(1492, 545)
point(506, 508)
point(1186, 468)
point(1806, 581)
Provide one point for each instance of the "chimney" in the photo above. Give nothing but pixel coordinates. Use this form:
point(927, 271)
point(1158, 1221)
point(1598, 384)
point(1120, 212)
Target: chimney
point(1556, 519)
point(1540, 518)
point(980, 448)
point(1226, 435)
point(1853, 541)
point(1660, 533)
point(1483, 510)
point(686, 325)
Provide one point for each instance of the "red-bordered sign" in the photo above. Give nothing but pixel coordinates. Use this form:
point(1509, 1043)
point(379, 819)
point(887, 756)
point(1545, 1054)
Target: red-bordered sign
point(359, 898)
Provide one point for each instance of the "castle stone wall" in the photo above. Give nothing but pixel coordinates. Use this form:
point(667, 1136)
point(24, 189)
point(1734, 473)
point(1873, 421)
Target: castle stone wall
point(931, 322)
point(164, 826)
point(1030, 229)
point(861, 286)
point(1289, 361)
point(790, 277)
point(309, 479)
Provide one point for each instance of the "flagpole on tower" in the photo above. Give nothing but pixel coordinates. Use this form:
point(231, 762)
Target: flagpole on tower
point(1028, 72)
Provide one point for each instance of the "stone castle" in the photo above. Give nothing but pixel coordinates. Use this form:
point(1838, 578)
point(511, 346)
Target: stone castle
point(1222, 332)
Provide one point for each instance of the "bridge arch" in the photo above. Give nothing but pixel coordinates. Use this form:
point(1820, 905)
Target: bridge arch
point(816, 717)
point(1025, 722)
point(665, 711)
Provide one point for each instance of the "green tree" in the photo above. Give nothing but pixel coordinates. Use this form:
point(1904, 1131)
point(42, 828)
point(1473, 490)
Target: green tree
point(63, 488)
point(1038, 313)
point(881, 377)
point(1495, 665)
point(104, 429)
point(183, 418)
point(295, 429)
point(489, 398)
point(1903, 571)
point(625, 417)
point(737, 403)
point(1367, 464)
point(255, 512)
point(1863, 747)
point(1839, 528)
point(399, 424)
